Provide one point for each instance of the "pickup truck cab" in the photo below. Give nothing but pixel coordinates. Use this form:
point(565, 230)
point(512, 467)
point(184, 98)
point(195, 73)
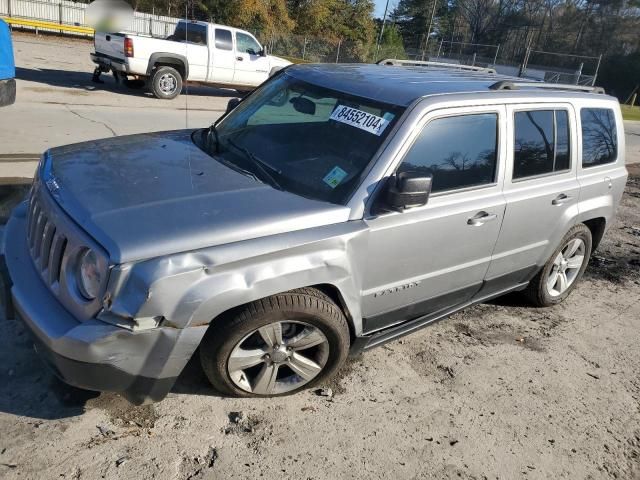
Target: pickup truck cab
point(7, 67)
point(335, 208)
point(200, 52)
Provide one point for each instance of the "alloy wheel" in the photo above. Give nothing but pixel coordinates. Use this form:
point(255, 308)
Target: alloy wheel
point(278, 357)
point(168, 83)
point(566, 267)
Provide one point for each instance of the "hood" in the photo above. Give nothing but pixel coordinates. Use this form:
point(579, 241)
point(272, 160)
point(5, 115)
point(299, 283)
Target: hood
point(143, 196)
point(278, 62)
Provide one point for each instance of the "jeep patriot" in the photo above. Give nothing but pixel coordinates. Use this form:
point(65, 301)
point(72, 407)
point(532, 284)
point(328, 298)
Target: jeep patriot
point(335, 208)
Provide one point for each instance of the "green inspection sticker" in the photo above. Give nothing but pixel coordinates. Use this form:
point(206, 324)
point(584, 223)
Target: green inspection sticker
point(334, 177)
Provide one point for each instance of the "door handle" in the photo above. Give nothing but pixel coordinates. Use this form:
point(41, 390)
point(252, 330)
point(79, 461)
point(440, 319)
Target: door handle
point(608, 181)
point(560, 199)
point(239, 59)
point(481, 218)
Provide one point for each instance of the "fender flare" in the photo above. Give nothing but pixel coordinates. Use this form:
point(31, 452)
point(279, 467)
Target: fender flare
point(169, 58)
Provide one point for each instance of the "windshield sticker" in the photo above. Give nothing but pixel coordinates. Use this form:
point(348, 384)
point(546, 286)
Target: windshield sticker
point(359, 119)
point(334, 177)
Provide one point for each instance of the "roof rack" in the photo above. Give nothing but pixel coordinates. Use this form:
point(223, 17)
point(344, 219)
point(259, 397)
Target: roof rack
point(424, 63)
point(510, 85)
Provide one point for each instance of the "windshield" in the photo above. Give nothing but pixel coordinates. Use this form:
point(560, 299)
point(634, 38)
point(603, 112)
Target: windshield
point(302, 138)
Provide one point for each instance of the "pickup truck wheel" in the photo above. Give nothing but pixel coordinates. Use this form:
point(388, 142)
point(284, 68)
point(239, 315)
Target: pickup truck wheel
point(166, 83)
point(562, 271)
point(276, 346)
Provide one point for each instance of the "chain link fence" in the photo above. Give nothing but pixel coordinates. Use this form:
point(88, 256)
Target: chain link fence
point(547, 66)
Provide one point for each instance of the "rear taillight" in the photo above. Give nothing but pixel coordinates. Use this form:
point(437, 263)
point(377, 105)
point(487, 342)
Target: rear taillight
point(128, 47)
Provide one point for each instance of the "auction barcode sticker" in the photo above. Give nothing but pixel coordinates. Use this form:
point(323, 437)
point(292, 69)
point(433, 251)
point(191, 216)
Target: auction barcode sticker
point(357, 118)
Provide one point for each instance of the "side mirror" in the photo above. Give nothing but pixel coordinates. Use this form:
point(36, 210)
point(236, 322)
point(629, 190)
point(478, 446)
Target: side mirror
point(233, 103)
point(262, 53)
point(408, 189)
point(251, 51)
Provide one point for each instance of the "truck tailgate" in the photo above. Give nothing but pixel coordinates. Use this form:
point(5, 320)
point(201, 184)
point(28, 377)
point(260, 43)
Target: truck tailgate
point(110, 44)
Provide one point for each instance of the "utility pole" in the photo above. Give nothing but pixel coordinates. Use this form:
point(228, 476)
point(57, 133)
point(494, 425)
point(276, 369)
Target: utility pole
point(426, 41)
point(384, 18)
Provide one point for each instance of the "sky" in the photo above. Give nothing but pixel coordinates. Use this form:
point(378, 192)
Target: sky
point(379, 11)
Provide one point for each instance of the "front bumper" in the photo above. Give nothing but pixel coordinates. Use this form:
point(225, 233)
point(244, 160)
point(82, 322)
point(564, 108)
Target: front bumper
point(94, 355)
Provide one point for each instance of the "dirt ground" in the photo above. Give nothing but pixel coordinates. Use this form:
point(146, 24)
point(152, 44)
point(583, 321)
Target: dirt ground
point(500, 391)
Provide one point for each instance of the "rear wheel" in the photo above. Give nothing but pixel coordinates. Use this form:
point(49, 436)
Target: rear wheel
point(276, 346)
point(562, 271)
point(166, 83)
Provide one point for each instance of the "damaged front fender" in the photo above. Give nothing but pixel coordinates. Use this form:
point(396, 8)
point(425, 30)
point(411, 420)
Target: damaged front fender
point(193, 288)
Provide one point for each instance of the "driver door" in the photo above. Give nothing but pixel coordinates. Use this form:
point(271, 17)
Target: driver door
point(434, 257)
point(251, 68)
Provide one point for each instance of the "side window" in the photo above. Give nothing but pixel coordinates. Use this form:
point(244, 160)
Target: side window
point(541, 143)
point(459, 151)
point(247, 44)
point(224, 40)
point(190, 32)
point(599, 136)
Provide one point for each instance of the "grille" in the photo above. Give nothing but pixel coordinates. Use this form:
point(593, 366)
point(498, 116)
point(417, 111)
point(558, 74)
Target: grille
point(46, 243)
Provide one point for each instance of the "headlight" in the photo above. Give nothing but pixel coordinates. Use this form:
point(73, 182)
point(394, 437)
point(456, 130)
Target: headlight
point(89, 275)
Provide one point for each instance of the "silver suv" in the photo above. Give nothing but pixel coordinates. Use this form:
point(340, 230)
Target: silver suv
point(335, 208)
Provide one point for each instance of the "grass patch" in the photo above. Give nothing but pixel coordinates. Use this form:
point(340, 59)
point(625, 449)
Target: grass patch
point(630, 113)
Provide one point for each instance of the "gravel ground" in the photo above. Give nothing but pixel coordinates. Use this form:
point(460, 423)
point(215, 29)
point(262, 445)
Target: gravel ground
point(499, 391)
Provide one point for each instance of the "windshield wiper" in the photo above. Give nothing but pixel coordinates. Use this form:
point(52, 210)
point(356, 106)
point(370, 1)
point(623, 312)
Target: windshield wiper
point(263, 166)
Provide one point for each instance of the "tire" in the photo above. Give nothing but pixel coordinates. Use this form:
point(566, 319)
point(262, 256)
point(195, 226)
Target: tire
point(301, 314)
point(166, 83)
point(539, 291)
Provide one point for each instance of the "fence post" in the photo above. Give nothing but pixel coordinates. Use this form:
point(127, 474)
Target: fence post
point(595, 75)
point(473, 60)
point(151, 26)
point(579, 73)
point(338, 54)
point(9, 7)
point(523, 67)
point(440, 47)
point(495, 58)
point(60, 14)
point(304, 47)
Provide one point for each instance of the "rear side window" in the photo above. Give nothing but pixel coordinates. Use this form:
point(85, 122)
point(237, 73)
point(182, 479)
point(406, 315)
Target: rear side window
point(541, 143)
point(599, 136)
point(459, 151)
point(191, 33)
point(223, 39)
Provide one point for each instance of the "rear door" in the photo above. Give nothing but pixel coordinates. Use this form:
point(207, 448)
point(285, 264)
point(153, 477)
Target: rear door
point(434, 257)
point(541, 190)
point(222, 56)
point(251, 67)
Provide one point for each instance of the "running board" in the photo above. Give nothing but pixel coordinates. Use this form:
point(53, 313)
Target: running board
point(392, 333)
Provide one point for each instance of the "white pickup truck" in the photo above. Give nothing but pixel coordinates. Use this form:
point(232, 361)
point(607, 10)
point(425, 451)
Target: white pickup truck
point(197, 51)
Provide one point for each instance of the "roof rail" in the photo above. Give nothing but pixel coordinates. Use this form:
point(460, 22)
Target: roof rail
point(423, 63)
point(510, 85)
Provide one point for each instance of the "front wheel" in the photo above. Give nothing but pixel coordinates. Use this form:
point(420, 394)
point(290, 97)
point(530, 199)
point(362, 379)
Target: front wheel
point(166, 83)
point(562, 271)
point(276, 346)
